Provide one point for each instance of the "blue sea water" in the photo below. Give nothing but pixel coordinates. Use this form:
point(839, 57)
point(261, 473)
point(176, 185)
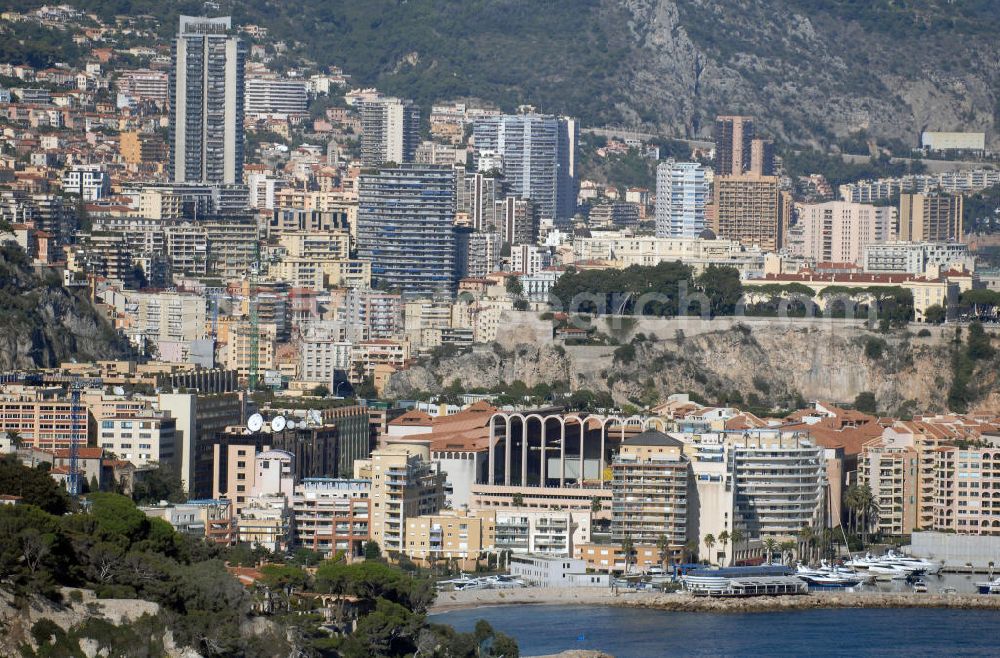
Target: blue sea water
point(627, 633)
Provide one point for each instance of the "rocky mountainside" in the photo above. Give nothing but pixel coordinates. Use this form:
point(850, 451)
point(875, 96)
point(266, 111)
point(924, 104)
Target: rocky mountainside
point(43, 323)
point(762, 367)
point(812, 71)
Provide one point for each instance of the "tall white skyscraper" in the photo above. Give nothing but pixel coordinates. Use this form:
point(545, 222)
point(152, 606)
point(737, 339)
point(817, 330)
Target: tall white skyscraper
point(390, 131)
point(538, 157)
point(206, 102)
point(681, 195)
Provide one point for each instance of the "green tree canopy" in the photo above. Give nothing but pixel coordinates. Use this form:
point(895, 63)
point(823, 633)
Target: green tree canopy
point(33, 485)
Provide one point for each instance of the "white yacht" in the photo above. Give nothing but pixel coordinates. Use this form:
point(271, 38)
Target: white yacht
point(926, 566)
point(989, 586)
point(889, 571)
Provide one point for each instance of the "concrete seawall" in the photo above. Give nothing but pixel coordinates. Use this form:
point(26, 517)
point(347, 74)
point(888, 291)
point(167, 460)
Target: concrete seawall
point(682, 602)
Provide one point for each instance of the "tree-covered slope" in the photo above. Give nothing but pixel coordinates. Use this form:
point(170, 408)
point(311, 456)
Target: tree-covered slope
point(811, 70)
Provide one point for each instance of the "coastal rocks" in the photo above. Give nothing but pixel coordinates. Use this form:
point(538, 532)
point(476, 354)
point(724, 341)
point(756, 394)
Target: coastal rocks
point(577, 654)
point(684, 602)
point(688, 603)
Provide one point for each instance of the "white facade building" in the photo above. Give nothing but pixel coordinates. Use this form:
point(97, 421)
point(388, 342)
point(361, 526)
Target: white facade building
point(144, 438)
point(549, 571)
point(541, 532)
point(89, 183)
point(681, 195)
point(916, 257)
point(274, 96)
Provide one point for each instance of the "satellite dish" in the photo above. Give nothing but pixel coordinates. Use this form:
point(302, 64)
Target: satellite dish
point(255, 422)
point(291, 424)
point(315, 416)
point(277, 423)
point(118, 390)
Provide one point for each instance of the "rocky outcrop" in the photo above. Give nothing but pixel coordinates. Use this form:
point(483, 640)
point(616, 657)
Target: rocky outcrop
point(43, 323)
point(804, 71)
point(768, 364)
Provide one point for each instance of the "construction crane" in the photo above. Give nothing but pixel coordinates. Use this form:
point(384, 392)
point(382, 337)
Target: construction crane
point(254, 320)
point(214, 300)
point(77, 421)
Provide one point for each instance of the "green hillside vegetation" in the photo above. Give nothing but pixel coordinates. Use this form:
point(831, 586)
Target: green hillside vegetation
point(112, 548)
point(600, 60)
point(672, 289)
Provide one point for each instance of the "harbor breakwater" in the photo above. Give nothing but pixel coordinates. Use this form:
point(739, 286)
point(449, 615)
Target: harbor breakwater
point(683, 602)
point(813, 601)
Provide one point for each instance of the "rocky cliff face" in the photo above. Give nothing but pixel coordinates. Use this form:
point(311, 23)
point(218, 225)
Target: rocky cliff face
point(43, 323)
point(808, 69)
point(778, 366)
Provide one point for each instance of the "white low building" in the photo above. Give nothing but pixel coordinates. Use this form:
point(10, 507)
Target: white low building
point(550, 571)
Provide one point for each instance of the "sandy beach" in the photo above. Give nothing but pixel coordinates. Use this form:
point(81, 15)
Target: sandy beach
point(682, 602)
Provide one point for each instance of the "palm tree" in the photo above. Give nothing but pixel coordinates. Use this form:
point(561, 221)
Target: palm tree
point(851, 504)
point(709, 543)
point(787, 548)
point(663, 547)
point(770, 545)
point(868, 506)
point(737, 537)
point(805, 537)
point(596, 505)
point(690, 548)
point(627, 548)
point(15, 439)
point(826, 539)
point(724, 539)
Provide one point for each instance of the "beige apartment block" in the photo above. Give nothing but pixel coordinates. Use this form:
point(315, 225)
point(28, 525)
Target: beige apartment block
point(752, 210)
point(457, 537)
point(930, 217)
point(649, 490)
point(405, 484)
point(967, 490)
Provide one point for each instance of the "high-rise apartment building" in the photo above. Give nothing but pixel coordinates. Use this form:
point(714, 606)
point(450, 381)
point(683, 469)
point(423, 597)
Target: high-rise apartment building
point(649, 490)
point(477, 196)
point(518, 221)
point(390, 131)
point(681, 195)
point(406, 228)
point(43, 420)
point(332, 515)
point(405, 484)
point(734, 136)
point(206, 102)
point(779, 482)
point(538, 153)
point(839, 231)
point(478, 253)
point(965, 490)
point(752, 210)
point(930, 217)
point(762, 157)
